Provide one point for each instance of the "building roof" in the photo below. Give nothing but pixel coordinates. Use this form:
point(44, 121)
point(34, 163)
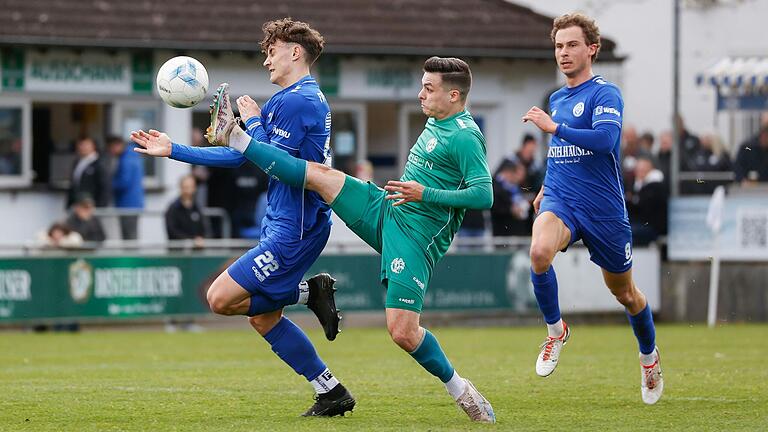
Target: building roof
point(481, 28)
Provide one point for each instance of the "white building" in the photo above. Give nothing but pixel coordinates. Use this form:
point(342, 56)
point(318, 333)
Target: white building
point(68, 73)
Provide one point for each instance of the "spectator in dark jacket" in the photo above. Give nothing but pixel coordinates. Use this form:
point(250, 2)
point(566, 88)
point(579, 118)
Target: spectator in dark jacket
point(534, 170)
point(127, 187)
point(84, 222)
point(89, 175)
point(509, 214)
point(183, 219)
point(752, 160)
point(647, 203)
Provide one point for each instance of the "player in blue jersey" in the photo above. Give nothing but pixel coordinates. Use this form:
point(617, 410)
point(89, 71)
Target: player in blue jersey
point(583, 197)
point(297, 224)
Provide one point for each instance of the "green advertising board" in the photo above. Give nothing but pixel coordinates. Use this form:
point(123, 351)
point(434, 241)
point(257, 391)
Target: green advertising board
point(91, 287)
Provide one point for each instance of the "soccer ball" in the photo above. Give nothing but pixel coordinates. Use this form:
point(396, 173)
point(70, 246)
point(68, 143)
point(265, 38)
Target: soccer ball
point(182, 82)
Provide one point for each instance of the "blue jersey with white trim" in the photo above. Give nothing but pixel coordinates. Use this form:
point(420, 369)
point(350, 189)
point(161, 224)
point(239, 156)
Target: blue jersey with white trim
point(583, 179)
point(296, 119)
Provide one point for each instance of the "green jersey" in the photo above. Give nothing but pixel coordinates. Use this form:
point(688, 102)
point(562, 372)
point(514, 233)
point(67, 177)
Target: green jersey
point(448, 156)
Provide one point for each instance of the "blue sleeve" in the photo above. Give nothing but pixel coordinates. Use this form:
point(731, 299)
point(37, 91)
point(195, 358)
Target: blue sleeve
point(222, 157)
point(291, 121)
point(255, 129)
point(601, 139)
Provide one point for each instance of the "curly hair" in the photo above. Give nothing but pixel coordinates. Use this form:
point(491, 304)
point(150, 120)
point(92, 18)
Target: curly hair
point(288, 30)
point(588, 27)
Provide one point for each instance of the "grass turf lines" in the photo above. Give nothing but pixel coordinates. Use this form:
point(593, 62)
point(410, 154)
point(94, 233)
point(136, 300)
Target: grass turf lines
point(231, 381)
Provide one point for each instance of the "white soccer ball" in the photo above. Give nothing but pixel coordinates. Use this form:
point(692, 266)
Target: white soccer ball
point(182, 82)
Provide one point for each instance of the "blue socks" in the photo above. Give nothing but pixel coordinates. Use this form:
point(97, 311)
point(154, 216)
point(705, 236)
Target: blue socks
point(277, 162)
point(432, 358)
point(295, 349)
point(645, 332)
point(545, 290)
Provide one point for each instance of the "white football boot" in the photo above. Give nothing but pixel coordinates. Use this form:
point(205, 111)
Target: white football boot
point(550, 352)
point(475, 405)
point(222, 117)
point(651, 380)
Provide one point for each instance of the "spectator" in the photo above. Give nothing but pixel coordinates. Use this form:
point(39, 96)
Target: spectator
point(647, 203)
point(711, 155)
point(10, 160)
point(127, 187)
point(60, 236)
point(690, 145)
point(84, 222)
point(509, 214)
point(630, 151)
point(89, 175)
point(664, 156)
point(472, 227)
point(645, 142)
point(250, 183)
point(534, 169)
point(752, 160)
point(183, 219)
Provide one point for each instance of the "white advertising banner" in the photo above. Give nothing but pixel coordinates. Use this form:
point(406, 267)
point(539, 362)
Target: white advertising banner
point(743, 229)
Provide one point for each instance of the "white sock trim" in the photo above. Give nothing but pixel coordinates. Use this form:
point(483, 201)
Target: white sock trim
point(456, 386)
point(648, 359)
point(303, 292)
point(556, 329)
point(324, 382)
point(239, 139)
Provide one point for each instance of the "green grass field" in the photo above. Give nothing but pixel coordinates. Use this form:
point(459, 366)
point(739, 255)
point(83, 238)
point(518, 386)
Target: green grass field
point(230, 381)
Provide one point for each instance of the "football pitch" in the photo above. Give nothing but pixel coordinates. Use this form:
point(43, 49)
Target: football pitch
point(230, 381)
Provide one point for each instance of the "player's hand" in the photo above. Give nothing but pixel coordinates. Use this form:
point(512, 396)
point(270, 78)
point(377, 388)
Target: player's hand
point(537, 200)
point(248, 108)
point(404, 192)
point(541, 119)
point(154, 143)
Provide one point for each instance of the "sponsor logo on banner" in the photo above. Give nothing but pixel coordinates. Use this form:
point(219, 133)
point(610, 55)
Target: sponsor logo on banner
point(80, 281)
point(15, 285)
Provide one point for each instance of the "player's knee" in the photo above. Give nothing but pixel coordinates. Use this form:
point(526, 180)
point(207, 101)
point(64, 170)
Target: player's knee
point(264, 323)
point(625, 295)
point(217, 302)
point(541, 257)
point(405, 337)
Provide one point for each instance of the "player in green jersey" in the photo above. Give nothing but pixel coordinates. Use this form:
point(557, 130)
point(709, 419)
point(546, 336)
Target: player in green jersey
point(411, 222)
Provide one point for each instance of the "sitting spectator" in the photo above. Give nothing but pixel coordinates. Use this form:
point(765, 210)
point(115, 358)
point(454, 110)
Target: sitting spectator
point(183, 219)
point(509, 214)
point(711, 155)
point(84, 222)
point(752, 160)
point(647, 203)
point(60, 236)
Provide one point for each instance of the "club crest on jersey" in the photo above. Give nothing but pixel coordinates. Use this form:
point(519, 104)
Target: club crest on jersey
point(578, 110)
point(431, 144)
point(397, 265)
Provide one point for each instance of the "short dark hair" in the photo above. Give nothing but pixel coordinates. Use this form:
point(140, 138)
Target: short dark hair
point(588, 27)
point(454, 72)
point(288, 30)
point(528, 138)
point(112, 139)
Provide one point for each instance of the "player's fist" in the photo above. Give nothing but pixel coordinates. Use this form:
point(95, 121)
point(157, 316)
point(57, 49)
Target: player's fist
point(541, 119)
point(154, 143)
point(537, 200)
point(248, 108)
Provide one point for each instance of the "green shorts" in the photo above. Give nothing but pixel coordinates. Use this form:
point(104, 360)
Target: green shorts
point(405, 267)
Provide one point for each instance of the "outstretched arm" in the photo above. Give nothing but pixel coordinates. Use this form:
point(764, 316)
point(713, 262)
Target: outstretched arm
point(477, 196)
point(158, 144)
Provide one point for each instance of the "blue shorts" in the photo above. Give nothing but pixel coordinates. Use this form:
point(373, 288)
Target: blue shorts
point(274, 268)
point(609, 241)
